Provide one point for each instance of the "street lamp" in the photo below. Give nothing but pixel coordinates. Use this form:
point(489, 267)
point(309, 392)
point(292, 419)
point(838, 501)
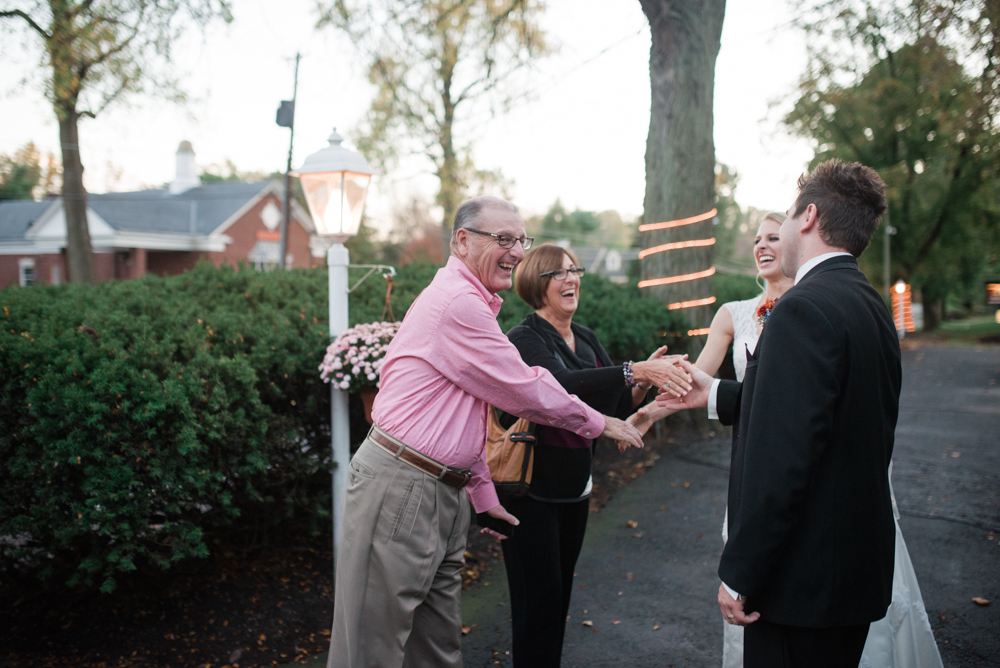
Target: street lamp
point(335, 181)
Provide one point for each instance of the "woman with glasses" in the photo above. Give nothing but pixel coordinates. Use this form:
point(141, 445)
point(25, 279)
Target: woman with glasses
point(542, 552)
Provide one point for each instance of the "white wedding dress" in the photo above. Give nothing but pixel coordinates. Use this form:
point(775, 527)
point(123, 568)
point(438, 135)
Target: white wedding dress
point(901, 639)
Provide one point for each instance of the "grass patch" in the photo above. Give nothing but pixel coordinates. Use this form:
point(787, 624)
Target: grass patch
point(978, 330)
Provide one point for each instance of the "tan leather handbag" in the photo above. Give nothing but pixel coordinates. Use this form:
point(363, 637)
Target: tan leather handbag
point(510, 454)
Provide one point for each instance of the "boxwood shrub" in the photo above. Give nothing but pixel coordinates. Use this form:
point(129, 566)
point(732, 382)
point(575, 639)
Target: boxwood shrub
point(141, 419)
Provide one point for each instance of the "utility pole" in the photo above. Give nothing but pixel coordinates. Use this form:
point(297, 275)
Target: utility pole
point(889, 231)
point(286, 119)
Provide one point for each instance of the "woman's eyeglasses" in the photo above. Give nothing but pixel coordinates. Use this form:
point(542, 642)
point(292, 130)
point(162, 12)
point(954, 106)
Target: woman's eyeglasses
point(503, 240)
point(561, 274)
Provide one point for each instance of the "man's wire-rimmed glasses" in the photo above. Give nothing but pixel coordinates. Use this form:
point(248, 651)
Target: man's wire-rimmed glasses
point(561, 274)
point(504, 240)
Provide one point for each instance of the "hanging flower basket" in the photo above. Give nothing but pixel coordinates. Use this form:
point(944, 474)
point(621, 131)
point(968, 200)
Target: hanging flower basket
point(353, 360)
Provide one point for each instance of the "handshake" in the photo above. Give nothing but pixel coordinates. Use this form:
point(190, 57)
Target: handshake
point(687, 387)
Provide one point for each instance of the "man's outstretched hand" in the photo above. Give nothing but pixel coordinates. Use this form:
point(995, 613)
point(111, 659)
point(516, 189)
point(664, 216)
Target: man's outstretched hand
point(622, 432)
point(701, 383)
point(500, 513)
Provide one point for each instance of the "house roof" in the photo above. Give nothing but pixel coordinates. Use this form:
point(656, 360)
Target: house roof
point(199, 210)
point(17, 215)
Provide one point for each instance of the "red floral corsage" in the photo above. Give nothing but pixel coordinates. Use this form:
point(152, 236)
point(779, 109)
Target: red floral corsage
point(764, 311)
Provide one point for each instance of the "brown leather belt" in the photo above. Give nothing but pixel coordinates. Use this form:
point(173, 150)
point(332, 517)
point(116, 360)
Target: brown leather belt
point(450, 476)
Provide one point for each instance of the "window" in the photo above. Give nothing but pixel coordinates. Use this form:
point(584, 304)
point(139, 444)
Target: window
point(26, 271)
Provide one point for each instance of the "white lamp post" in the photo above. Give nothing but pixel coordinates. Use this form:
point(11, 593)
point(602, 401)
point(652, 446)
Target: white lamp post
point(335, 181)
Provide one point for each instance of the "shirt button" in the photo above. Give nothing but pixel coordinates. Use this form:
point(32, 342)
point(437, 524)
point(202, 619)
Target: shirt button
point(588, 433)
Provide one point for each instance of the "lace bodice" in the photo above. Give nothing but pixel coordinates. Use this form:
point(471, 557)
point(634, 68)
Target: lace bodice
point(745, 331)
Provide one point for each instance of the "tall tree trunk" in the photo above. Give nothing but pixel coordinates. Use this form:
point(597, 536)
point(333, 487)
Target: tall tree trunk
point(79, 252)
point(450, 191)
point(680, 149)
point(451, 186)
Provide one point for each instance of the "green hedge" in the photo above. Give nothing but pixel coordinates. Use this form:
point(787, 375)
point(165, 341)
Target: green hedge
point(136, 417)
point(733, 287)
point(142, 420)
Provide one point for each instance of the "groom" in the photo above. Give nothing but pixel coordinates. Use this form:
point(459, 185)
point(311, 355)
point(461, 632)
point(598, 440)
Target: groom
point(809, 561)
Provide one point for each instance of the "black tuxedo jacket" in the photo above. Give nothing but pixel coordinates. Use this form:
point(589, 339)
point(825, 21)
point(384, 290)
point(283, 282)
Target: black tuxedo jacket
point(811, 532)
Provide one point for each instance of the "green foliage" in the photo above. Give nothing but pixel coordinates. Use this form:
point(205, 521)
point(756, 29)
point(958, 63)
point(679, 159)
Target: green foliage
point(890, 91)
point(558, 223)
point(733, 287)
point(726, 226)
point(27, 174)
point(139, 420)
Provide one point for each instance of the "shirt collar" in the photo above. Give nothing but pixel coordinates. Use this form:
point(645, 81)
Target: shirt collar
point(809, 265)
point(493, 300)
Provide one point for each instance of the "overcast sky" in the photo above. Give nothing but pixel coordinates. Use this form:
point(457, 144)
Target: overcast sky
point(582, 139)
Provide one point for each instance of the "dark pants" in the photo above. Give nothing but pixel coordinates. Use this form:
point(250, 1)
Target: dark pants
point(768, 645)
point(540, 557)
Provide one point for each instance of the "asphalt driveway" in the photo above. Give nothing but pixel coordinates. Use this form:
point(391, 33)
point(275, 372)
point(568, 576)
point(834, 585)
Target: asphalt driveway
point(646, 580)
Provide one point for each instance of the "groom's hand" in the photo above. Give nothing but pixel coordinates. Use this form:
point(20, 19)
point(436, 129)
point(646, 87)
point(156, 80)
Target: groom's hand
point(701, 383)
point(732, 609)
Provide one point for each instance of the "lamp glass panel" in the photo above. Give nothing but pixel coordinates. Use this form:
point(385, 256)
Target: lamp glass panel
point(355, 189)
point(336, 200)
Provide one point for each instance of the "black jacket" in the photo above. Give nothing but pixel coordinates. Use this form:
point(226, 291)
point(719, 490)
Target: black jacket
point(562, 473)
point(811, 532)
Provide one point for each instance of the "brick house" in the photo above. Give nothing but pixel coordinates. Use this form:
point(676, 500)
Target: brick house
point(162, 232)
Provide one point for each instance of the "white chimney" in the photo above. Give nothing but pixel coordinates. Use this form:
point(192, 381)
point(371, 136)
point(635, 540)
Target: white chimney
point(186, 177)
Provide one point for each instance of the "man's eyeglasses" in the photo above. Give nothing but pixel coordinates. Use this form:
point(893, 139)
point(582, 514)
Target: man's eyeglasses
point(503, 239)
point(561, 274)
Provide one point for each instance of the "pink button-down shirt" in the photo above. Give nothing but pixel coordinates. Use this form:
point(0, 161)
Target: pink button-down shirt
point(447, 362)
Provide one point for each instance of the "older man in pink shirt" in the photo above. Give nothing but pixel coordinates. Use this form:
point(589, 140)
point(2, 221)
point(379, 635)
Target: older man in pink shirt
point(406, 514)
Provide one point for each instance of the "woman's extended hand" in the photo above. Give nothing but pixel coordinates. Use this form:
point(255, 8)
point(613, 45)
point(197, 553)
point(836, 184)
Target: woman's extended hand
point(664, 373)
point(658, 353)
point(640, 420)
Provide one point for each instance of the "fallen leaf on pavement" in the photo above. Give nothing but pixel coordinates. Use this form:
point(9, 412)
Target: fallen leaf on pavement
point(979, 600)
point(631, 524)
point(656, 628)
point(465, 630)
point(587, 622)
point(956, 455)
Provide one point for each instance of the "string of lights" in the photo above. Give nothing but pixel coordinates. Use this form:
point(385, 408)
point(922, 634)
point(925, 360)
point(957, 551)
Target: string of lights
point(694, 302)
point(695, 243)
point(677, 279)
point(677, 223)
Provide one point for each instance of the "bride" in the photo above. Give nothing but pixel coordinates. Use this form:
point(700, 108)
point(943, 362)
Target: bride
point(903, 638)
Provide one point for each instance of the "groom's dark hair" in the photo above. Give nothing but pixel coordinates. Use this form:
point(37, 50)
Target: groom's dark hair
point(849, 199)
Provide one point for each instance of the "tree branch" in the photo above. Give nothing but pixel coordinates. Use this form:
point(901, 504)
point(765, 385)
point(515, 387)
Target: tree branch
point(31, 22)
point(956, 174)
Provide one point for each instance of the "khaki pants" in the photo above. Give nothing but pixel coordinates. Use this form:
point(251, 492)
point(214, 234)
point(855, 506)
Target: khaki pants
point(397, 601)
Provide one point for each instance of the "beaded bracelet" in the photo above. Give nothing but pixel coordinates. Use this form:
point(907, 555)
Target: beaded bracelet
point(627, 371)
